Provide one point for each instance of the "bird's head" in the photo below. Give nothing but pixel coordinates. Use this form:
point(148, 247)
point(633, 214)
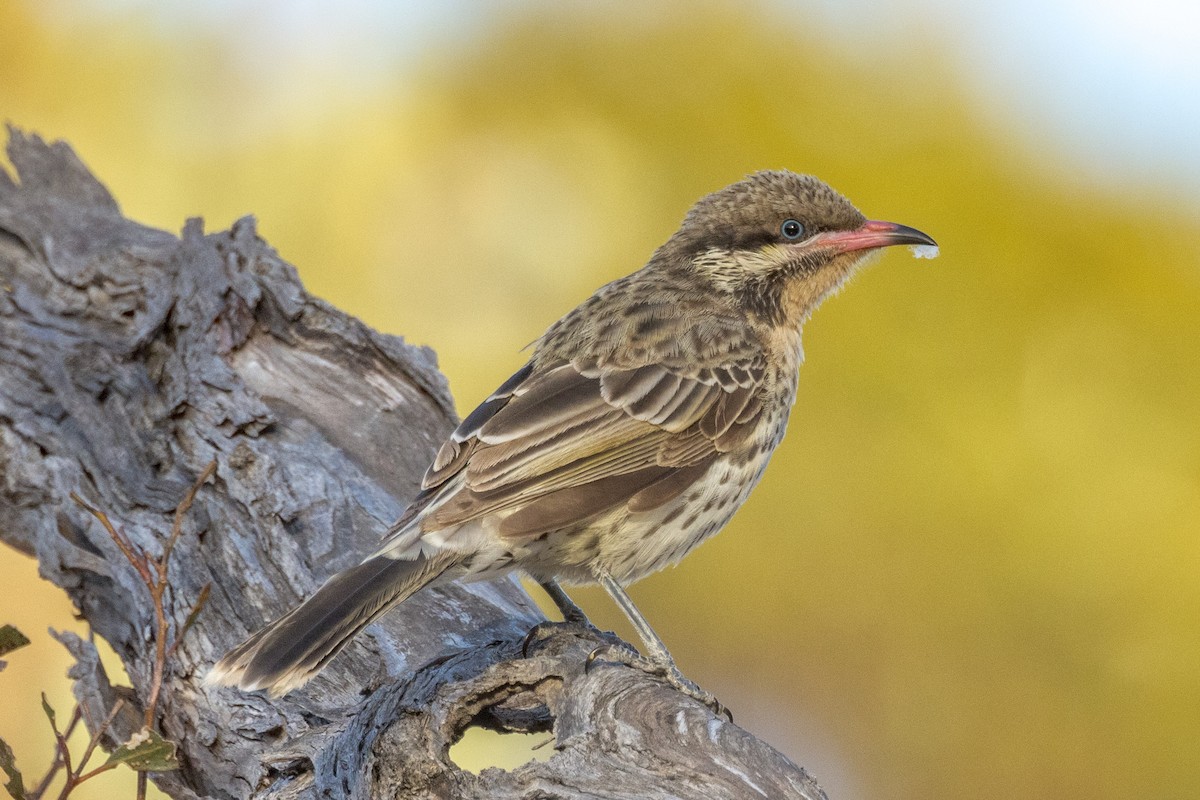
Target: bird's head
point(779, 243)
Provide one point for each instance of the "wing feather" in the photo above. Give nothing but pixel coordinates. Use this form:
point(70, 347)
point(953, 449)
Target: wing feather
point(565, 440)
point(601, 429)
point(653, 402)
point(547, 399)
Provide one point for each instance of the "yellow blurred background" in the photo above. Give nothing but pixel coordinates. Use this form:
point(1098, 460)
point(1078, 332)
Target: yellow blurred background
point(973, 569)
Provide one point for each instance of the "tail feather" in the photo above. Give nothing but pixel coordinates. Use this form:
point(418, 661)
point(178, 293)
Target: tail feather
point(291, 650)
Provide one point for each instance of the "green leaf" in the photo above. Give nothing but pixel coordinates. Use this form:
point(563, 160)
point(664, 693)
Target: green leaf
point(146, 751)
point(8, 763)
point(11, 639)
point(49, 713)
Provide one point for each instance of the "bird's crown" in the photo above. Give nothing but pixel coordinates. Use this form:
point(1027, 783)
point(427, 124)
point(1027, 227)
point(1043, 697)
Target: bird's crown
point(752, 213)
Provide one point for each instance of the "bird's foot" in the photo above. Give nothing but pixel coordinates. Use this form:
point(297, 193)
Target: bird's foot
point(544, 630)
point(665, 670)
point(572, 614)
point(536, 634)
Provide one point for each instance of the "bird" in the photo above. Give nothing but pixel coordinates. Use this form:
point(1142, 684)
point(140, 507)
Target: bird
point(640, 423)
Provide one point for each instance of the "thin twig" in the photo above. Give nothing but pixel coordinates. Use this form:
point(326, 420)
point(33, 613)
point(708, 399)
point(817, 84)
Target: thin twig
point(61, 741)
point(100, 770)
point(76, 715)
point(139, 562)
point(59, 761)
point(64, 755)
point(78, 776)
point(180, 510)
point(157, 590)
point(45, 782)
point(197, 607)
point(95, 740)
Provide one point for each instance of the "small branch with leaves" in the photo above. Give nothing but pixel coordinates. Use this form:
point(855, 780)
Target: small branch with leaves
point(75, 773)
point(153, 573)
point(146, 751)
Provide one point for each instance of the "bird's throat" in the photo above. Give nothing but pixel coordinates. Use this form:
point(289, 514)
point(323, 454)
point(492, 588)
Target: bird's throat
point(802, 294)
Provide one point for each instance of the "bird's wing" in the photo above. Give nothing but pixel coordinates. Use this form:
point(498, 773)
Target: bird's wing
point(562, 442)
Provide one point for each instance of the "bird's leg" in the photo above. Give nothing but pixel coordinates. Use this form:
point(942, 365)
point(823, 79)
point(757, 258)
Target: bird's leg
point(656, 651)
point(571, 613)
point(657, 655)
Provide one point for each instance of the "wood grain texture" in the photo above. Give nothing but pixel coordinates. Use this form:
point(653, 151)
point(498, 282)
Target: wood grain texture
point(130, 359)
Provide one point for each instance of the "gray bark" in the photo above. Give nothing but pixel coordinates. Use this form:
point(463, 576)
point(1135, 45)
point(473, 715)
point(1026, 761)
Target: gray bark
point(129, 360)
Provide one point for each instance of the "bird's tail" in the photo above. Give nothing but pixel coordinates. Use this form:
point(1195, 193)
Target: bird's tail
point(291, 650)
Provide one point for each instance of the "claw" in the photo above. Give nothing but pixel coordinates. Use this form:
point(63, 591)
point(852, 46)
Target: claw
point(591, 658)
point(629, 656)
point(534, 633)
point(681, 684)
point(543, 628)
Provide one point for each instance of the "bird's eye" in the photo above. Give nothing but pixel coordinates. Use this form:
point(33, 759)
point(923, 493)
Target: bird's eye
point(791, 229)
